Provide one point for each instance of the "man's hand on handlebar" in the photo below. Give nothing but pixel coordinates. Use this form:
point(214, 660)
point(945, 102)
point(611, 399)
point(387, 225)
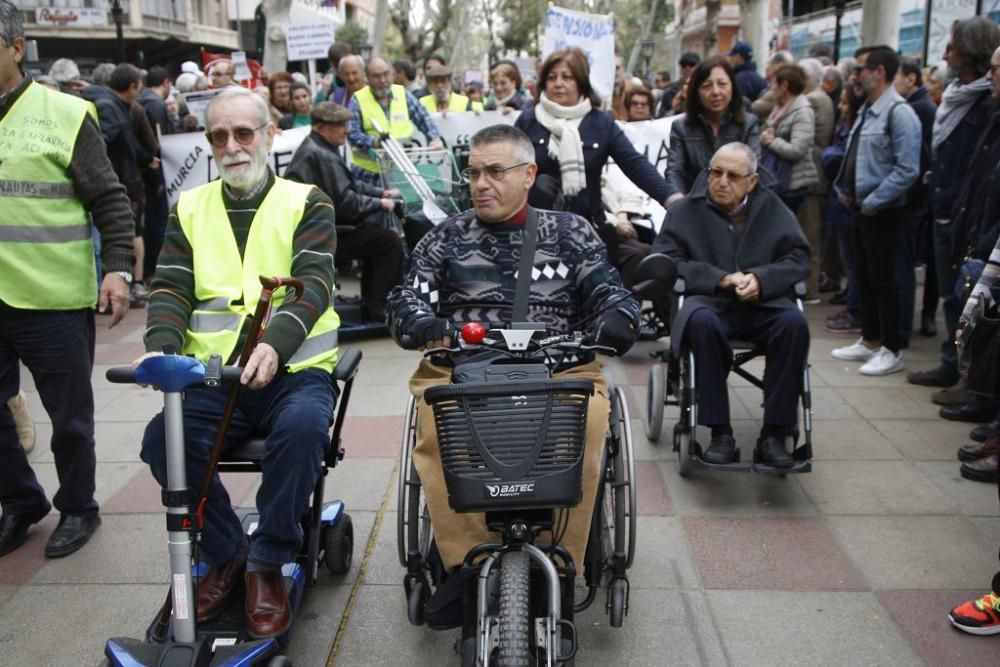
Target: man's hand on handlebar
point(261, 367)
point(432, 332)
point(615, 330)
point(139, 360)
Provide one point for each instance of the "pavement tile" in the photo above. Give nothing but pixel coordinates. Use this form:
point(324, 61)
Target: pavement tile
point(971, 498)
point(990, 527)
point(662, 627)
point(651, 496)
point(925, 440)
point(69, 624)
point(375, 437)
point(643, 449)
point(383, 566)
point(922, 616)
point(19, 566)
point(380, 400)
point(132, 404)
point(877, 403)
point(378, 633)
point(316, 627)
point(141, 494)
point(849, 440)
point(662, 556)
point(735, 494)
point(118, 352)
point(114, 442)
point(360, 483)
point(917, 552)
point(777, 628)
point(6, 593)
point(769, 554)
point(111, 476)
point(873, 487)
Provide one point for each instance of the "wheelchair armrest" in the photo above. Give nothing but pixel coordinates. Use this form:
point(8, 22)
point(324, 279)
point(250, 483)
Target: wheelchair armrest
point(800, 289)
point(347, 363)
point(680, 286)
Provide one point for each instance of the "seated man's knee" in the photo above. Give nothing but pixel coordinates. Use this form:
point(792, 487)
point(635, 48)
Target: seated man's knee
point(791, 321)
point(702, 321)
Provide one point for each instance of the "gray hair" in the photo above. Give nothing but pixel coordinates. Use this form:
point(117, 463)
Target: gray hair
point(64, 70)
point(101, 76)
point(518, 141)
point(353, 56)
point(11, 22)
point(832, 73)
point(230, 93)
point(739, 147)
point(814, 70)
point(975, 39)
point(846, 66)
point(781, 57)
point(186, 82)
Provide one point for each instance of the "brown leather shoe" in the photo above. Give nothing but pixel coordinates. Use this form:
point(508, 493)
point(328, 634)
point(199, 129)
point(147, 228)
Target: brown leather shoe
point(268, 609)
point(216, 586)
point(954, 395)
point(982, 470)
point(979, 450)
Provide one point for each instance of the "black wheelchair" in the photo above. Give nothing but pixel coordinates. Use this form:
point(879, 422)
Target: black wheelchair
point(672, 383)
point(521, 428)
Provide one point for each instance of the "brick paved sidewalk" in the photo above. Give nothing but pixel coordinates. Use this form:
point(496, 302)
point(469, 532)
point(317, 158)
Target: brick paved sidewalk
point(855, 563)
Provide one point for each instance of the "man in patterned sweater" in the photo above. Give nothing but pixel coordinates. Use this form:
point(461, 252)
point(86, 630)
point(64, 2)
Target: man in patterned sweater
point(464, 270)
point(219, 238)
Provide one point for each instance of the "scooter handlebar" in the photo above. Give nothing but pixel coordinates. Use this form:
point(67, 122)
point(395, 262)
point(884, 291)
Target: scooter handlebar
point(121, 375)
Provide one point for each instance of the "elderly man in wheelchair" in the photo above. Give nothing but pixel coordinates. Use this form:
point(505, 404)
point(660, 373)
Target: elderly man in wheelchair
point(468, 269)
point(740, 253)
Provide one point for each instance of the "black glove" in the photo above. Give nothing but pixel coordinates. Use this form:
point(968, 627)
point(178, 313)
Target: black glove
point(616, 330)
point(430, 329)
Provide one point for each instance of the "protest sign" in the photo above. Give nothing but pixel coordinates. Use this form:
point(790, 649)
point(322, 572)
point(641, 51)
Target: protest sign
point(594, 33)
point(456, 129)
point(652, 139)
point(197, 102)
point(309, 41)
point(243, 72)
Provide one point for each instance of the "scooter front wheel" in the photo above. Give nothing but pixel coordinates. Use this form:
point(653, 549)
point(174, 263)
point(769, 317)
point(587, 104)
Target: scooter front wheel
point(515, 626)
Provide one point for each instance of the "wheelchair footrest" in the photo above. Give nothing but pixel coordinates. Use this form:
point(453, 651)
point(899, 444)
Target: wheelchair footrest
point(798, 467)
point(735, 466)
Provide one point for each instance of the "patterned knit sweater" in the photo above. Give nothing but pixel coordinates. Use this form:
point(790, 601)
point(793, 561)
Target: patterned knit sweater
point(465, 270)
point(314, 245)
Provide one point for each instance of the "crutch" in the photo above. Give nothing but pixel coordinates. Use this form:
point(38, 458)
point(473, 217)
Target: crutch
point(416, 180)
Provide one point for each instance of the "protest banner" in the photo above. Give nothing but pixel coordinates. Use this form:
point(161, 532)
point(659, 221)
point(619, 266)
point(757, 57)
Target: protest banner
point(197, 101)
point(309, 41)
point(456, 129)
point(652, 139)
point(594, 33)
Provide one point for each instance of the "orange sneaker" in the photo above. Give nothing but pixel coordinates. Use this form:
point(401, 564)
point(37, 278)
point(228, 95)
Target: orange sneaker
point(978, 617)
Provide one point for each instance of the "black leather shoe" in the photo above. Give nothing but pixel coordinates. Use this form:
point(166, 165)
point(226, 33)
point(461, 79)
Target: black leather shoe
point(14, 527)
point(73, 531)
point(928, 327)
point(983, 432)
point(977, 410)
point(722, 450)
point(773, 453)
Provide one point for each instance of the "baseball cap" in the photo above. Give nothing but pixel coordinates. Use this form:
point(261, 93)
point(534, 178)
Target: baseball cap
point(741, 49)
point(689, 58)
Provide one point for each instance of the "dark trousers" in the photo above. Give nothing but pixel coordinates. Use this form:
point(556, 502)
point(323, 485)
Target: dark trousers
point(848, 253)
point(157, 211)
point(947, 278)
point(906, 277)
point(58, 349)
point(630, 253)
point(381, 252)
point(295, 410)
point(876, 237)
point(784, 335)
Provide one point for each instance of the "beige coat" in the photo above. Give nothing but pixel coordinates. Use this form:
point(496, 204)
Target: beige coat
point(793, 140)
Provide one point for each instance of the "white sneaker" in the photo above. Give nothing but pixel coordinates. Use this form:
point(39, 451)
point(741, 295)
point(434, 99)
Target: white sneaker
point(855, 352)
point(883, 363)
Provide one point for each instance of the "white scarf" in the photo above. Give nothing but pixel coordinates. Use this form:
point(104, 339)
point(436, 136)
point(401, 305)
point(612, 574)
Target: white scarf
point(564, 141)
point(955, 103)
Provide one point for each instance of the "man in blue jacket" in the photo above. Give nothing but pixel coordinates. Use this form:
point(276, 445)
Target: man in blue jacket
point(881, 164)
point(748, 81)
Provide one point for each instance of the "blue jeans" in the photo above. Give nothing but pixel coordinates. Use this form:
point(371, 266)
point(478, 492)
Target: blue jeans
point(295, 411)
point(947, 276)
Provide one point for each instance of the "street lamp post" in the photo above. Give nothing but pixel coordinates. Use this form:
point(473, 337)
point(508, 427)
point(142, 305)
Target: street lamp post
point(648, 46)
point(116, 14)
point(838, 12)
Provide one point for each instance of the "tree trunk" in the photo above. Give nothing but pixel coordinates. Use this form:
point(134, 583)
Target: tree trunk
point(712, 9)
point(276, 47)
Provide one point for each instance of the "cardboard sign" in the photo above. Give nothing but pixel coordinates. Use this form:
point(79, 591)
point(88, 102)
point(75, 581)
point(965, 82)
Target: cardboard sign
point(197, 101)
point(243, 72)
point(309, 41)
point(594, 33)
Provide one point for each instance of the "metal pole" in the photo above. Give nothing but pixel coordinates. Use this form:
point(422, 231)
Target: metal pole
point(116, 13)
point(839, 13)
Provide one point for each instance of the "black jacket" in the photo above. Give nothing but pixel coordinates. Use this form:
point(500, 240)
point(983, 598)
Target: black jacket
point(748, 81)
point(976, 222)
point(692, 146)
point(602, 139)
point(704, 242)
point(156, 111)
point(121, 142)
point(319, 163)
point(950, 164)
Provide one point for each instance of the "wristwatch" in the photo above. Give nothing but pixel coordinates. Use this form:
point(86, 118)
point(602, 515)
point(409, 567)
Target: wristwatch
point(126, 275)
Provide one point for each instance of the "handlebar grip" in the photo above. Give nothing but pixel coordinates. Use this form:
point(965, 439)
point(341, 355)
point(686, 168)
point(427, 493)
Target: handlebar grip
point(407, 343)
point(121, 375)
point(231, 373)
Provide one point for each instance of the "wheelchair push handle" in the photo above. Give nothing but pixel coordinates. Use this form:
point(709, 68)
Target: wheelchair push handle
point(173, 372)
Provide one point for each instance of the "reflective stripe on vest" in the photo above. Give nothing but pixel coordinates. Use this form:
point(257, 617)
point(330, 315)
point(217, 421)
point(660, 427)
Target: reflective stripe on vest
point(227, 287)
point(455, 103)
point(398, 123)
point(46, 250)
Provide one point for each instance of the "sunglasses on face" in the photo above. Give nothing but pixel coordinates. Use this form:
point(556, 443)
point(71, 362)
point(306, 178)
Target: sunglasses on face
point(244, 136)
point(719, 172)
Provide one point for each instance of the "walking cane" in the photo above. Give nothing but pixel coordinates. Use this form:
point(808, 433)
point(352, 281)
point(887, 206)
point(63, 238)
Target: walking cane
point(158, 630)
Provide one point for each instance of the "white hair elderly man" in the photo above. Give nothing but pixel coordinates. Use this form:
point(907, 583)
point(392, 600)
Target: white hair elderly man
point(249, 223)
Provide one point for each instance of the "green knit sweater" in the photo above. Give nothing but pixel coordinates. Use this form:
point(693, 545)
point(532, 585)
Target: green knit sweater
point(313, 246)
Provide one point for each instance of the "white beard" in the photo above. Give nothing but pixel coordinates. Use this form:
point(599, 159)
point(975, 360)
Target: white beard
point(244, 177)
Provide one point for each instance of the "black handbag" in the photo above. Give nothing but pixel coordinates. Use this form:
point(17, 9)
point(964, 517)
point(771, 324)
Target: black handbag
point(979, 350)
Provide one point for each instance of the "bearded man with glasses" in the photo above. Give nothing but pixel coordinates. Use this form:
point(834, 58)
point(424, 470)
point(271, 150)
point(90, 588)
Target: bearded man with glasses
point(220, 237)
point(740, 251)
point(464, 270)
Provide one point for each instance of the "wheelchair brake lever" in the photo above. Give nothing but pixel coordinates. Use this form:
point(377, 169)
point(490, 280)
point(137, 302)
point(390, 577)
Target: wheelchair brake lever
point(213, 371)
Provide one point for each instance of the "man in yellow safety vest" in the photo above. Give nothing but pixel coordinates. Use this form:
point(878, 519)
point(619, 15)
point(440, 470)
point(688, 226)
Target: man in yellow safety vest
point(55, 178)
point(441, 97)
point(220, 237)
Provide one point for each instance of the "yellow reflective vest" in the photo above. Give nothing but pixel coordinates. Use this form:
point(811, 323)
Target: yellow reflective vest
point(398, 124)
point(227, 288)
point(455, 103)
point(46, 250)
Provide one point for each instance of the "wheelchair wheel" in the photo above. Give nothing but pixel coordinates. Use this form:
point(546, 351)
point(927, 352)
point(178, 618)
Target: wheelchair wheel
point(682, 443)
point(616, 602)
point(514, 624)
point(625, 498)
point(338, 546)
point(407, 483)
point(655, 395)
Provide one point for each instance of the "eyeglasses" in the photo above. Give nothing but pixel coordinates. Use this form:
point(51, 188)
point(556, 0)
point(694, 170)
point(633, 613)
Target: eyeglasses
point(858, 68)
point(494, 172)
point(243, 135)
point(719, 172)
